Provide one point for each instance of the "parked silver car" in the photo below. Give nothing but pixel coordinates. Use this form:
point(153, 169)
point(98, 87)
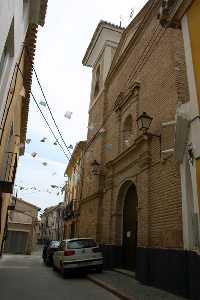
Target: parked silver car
point(82, 253)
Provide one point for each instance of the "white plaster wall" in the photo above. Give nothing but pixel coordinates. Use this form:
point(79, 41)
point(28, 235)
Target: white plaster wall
point(193, 103)
point(10, 9)
point(190, 209)
point(106, 35)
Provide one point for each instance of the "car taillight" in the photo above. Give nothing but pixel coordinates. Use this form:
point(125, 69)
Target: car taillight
point(69, 252)
point(96, 250)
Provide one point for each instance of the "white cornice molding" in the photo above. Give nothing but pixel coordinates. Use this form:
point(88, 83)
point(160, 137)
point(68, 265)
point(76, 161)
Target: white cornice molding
point(101, 26)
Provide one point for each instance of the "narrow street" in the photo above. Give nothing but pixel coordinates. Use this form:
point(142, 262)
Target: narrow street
point(27, 278)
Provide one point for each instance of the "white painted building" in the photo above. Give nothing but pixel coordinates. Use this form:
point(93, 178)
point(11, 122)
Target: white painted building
point(15, 17)
point(188, 150)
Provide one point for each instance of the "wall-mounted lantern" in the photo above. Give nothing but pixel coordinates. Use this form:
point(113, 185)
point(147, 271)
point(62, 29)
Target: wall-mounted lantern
point(144, 122)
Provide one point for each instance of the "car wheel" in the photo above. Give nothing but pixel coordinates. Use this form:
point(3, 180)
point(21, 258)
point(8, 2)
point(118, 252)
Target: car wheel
point(99, 269)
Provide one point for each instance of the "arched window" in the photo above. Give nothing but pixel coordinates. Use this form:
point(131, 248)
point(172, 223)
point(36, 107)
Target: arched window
point(97, 80)
point(127, 132)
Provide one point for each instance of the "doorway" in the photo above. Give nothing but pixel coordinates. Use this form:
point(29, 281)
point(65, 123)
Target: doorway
point(129, 239)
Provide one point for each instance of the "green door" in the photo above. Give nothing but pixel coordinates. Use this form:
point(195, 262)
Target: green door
point(129, 229)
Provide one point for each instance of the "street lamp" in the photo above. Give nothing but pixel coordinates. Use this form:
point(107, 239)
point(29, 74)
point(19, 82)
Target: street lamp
point(144, 122)
point(95, 167)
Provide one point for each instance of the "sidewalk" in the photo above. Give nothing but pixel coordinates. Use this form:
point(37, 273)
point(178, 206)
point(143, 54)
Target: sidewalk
point(127, 288)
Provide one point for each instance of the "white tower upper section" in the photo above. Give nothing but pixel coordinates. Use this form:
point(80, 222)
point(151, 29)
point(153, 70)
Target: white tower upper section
point(100, 53)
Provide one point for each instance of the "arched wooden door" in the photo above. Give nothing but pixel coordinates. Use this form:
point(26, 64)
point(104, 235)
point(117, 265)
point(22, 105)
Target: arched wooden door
point(129, 243)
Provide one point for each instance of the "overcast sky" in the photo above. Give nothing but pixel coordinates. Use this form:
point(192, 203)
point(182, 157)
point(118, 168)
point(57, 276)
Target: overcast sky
point(61, 45)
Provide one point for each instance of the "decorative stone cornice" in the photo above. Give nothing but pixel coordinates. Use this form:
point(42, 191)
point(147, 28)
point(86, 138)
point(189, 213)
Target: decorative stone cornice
point(91, 197)
point(139, 141)
point(124, 97)
point(171, 12)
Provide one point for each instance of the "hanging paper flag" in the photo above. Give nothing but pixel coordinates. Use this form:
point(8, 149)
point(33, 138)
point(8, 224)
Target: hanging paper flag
point(54, 186)
point(43, 140)
point(127, 142)
point(21, 188)
point(58, 194)
point(20, 146)
point(45, 163)
point(28, 141)
point(108, 146)
point(70, 147)
point(55, 143)
point(91, 127)
point(43, 103)
point(22, 92)
point(68, 114)
point(102, 130)
point(34, 154)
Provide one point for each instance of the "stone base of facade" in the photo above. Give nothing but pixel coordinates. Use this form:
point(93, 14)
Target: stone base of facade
point(176, 271)
point(112, 256)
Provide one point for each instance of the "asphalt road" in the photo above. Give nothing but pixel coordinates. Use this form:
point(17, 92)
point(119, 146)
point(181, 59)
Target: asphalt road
point(27, 278)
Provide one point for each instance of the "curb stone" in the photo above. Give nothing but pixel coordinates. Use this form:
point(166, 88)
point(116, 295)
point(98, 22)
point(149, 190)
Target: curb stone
point(111, 289)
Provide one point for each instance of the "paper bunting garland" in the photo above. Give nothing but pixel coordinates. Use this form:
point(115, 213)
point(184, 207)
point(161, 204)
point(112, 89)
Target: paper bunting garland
point(33, 154)
point(54, 186)
point(28, 141)
point(43, 103)
point(22, 92)
point(45, 163)
point(91, 127)
point(68, 114)
point(43, 140)
point(20, 146)
point(102, 130)
point(127, 142)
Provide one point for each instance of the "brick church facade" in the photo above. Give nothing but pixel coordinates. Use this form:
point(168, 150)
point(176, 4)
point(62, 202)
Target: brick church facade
point(131, 199)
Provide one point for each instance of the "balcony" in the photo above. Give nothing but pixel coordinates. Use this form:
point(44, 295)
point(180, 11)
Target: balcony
point(71, 211)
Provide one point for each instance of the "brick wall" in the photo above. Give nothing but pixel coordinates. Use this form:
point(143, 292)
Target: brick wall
point(150, 59)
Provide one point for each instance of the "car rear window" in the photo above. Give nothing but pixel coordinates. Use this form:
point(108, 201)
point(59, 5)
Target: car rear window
point(55, 244)
point(78, 244)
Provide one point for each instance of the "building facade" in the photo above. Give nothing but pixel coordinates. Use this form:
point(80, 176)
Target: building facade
point(22, 228)
point(185, 15)
point(19, 22)
point(52, 223)
point(131, 199)
point(73, 191)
